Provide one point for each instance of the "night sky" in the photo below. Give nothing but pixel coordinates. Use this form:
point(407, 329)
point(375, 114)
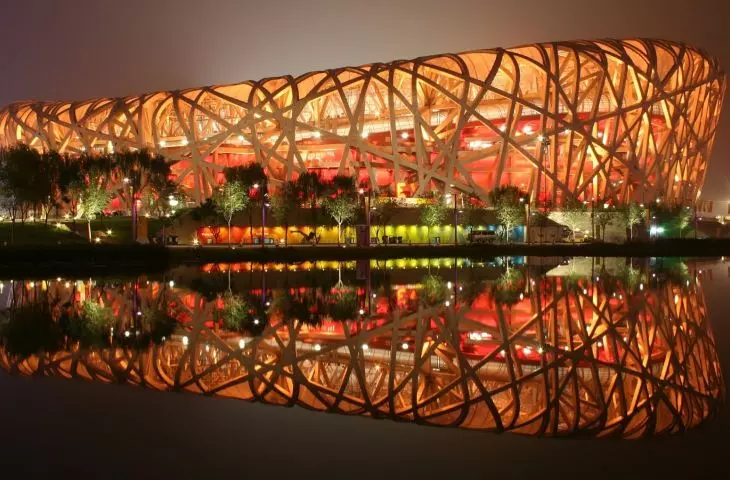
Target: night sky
point(76, 49)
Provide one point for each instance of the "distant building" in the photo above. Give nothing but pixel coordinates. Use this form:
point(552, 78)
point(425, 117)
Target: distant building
point(714, 209)
point(544, 230)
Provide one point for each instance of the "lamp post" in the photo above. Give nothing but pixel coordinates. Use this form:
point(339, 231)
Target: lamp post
point(366, 210)
point(262, 191)
point(132, 183)
point(369, 210)
point(264, 205)
point(456, 220)
point(172, 202)
point(593, 218)
point(527, 220)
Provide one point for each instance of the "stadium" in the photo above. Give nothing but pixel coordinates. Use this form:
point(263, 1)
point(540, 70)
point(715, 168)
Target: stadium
point(608, 120)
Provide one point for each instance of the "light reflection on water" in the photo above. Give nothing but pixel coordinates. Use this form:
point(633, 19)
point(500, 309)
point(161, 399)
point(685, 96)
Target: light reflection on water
point(549, 347)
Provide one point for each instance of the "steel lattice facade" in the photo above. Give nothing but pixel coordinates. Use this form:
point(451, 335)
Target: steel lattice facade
point(591, 120)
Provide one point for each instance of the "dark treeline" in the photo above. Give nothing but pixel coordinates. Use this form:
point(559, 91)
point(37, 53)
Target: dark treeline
point(37, 185)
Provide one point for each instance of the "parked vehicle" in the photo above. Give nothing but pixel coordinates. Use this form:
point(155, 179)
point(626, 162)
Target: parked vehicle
point(566, 234)
point(482, 236)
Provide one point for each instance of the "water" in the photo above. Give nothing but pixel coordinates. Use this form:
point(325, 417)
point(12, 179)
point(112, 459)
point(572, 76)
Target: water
point(544, 347)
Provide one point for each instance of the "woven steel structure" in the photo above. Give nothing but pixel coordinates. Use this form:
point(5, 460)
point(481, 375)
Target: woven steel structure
point(603, 120)
point(564, 357)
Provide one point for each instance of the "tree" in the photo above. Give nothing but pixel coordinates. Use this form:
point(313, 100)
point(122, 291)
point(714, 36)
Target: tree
point(342, 185)
point(382, 211)
point(507, 288)
point(433, 290)
point(311, 189)
point(7, 193)
point(303, 305)
point(207, 212)
point(163, 199)
point(341, 300)
point(19, 175)
point(163, 196)
point(229, 199)
point(342, 209)
point(683, 215)
point(90, 326)
point(283, 204)
point(255, 183)
point(93, 199)
point(79, 180)
point(71, 179)
point(138, 170)
point(472, 212)
point(47, 183)
point(236, 313)
point(341, 304)
point(339, 201)
point(674, 219)
point(509, 208)
point(573, 215)
point(632, 214)
point(433, 214)
point(31, 330)
point(603, 219)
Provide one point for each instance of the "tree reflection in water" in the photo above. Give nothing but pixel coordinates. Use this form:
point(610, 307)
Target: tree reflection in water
point(620, 349)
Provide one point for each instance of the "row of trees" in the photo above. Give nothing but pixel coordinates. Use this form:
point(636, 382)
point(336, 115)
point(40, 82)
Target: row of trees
point(507, 201)
point(509, 206)
point(674, 218)
point(34, 184)
point(246, 189)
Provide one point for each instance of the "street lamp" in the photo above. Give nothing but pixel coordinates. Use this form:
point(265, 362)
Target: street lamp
point(173, 202)
point(264, 205)
point(456, 224)
point(132, 182)
point(367, 208)
point(527, 220)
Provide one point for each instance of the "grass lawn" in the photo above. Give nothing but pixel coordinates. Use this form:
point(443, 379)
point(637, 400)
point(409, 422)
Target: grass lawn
point(39, 234)
point(121, 228)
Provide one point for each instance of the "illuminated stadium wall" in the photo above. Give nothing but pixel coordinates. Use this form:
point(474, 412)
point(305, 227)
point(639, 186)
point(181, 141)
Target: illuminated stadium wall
point(605, 120)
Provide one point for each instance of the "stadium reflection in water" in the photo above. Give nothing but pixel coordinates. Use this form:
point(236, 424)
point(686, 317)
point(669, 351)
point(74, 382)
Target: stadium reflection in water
point(578, 347)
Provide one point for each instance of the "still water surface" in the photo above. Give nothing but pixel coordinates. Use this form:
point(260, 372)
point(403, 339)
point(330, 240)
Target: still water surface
point(602, 347)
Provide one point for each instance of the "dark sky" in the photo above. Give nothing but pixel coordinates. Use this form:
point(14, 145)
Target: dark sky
point(75, 49)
